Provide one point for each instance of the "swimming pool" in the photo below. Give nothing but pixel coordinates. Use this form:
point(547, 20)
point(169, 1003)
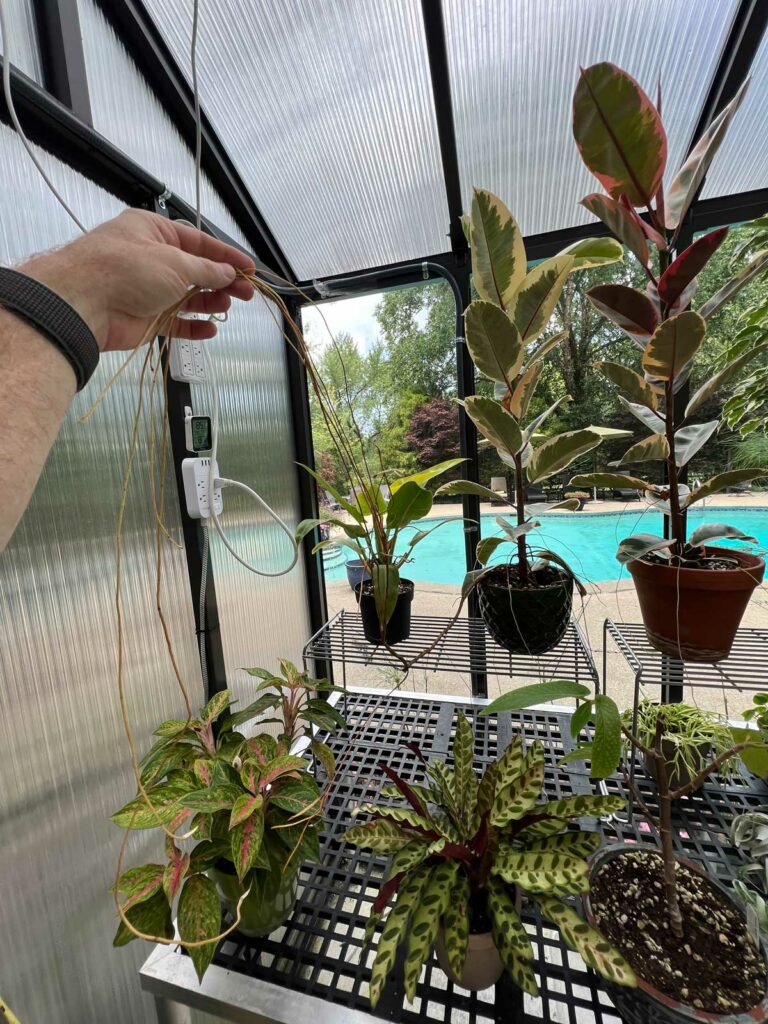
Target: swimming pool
point(587, 541)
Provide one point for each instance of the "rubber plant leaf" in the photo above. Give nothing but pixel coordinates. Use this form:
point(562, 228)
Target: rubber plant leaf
point(386, 588)
point(486, 547)
point(594, 252)
point(493, 341)
point(618, 219)
point(631, 382)
point(688, 440)
point(541, 419)
point(613, 480)
point(538, 507)
point(545, 557)
point(711, 386)
point(588, 942)
point(559, 452)
point(470, 581)
point(674, 343)
point(647, 416)
point(639, 545)
point(495, 423)
point(545, 347)
point(537, 296)
point(199, 918)
point(513, 530)
point(631, 310)
point(425, 475)
point(498, 253)
point(467, 487)
point(688, 265)
point(717, 531)
point(685, 185)
point(619, 133)
point(734, 286)
point(647, 450)
point(718, 483)
point(523, 392)
point(536, 693)
point(409, 502)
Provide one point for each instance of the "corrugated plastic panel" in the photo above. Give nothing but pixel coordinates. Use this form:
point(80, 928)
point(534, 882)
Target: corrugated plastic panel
point(514, 66)
point(326, 109)
point(22, 42)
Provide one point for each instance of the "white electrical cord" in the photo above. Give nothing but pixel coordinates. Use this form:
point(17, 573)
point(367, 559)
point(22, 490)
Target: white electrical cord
point(201, 608)
point(15, 120)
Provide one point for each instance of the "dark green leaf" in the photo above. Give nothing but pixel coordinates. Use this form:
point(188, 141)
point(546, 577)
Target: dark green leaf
point(409, 502)
point(536, 693)
point(152, 918)
point(606, 746)
point(199, 918)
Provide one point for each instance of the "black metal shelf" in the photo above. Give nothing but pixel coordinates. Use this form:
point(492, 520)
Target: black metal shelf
point(463, 645)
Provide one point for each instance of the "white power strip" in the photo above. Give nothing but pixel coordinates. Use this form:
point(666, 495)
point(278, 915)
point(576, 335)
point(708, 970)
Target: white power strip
point(196, 473)
point(188, 361)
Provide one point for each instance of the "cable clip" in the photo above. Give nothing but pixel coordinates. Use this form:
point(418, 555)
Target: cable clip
point(321, 288)
point(425, 270)
point(163, 198)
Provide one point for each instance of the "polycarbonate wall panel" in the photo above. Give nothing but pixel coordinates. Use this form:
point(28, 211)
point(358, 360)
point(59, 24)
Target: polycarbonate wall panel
point(127, 112)
point(262, 619)
point(514, 66)
point(742, 161)
point(22, 38)
point(64, 761)
point(326, 109)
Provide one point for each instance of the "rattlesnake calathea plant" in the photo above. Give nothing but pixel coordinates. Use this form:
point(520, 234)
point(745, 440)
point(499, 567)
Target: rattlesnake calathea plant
point(462, 846)
point(246, 811)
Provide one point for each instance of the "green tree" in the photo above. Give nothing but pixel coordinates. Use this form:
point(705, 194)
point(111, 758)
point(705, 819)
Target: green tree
point(418, 326)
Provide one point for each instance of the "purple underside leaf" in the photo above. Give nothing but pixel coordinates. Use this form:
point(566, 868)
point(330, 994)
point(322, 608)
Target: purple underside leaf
point(631, 310)
point(688, 265)
point(404, 788)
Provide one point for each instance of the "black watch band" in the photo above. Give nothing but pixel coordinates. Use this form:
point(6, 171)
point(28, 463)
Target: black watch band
point(54, 318)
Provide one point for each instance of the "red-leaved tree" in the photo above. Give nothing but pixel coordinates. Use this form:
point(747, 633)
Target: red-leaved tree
point(433, 434)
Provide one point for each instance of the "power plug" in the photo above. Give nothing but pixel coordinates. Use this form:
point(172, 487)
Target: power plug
point(188, 361)
point(196, 473)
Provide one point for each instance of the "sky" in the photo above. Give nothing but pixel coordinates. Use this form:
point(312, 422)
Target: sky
point(355, 316)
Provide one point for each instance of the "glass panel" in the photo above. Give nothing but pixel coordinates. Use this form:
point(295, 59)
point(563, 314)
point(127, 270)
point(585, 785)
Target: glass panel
point(514, 66)
point(127, 112)
point(327, 111)
point(742, 162)
point(22, 43)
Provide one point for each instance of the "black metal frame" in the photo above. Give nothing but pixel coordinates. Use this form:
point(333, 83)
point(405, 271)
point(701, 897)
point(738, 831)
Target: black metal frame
point(57, 117)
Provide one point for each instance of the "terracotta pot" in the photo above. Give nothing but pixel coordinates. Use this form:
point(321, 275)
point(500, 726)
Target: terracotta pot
point(525, 621)
point(693, 614)
point(399, 626)
point(677, 777)
point(646, 1004)
point(482, 967)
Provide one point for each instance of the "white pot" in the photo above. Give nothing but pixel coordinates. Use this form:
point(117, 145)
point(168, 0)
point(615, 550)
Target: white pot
point(482, 967)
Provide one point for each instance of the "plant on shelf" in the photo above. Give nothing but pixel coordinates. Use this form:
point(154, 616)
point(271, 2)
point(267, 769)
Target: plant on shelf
point(252, 807)
point(749, 833)
point(378, 528)
point(465, 851)
point(526, 602)
point(692, 597)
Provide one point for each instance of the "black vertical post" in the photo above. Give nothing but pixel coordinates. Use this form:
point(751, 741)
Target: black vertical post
point(63, 60)
point(308, 503)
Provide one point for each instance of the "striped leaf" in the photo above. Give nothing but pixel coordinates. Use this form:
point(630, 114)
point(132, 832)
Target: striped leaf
point(456, 925)
point(370, 927)
point(298, 796)
point(382, 836)
point(588, 943)
point(402, 815)
point(139, 884)
point(174, 875)
point(166, 799)
point(465, 780)
point(510, 764)
point(577, 844)
point(582, 806)
point(244, 807)
point(199, 918)
point(445, 781)
point(279, 766)
point(262, 749)
point(519, 970)
point(413, 853)
point(426, 921)
point(219, 702)
point(516, 800)
point(395, 928)
point(541, 829)
point(152, 917)
point(245, 841)
point(542, 872)
point(507, 924)
point(486, 791)
point(217, 798)
point(390, 791)
point(250, 774)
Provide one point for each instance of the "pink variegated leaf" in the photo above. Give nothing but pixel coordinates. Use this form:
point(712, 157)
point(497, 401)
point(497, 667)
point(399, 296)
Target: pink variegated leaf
point(688, 265)
point(174, 875)
point(250, 774)
point(139, 884)
point(653, 236)
point(245, 842)
point(244, 807)
point(283, 765)
point(202, 769)
point(620, 221)
point(262, 748)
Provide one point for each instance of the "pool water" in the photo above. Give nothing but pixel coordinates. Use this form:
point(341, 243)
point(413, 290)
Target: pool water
point(587, 542)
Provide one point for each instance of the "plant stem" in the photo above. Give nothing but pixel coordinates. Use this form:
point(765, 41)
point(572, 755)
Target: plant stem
point(520, 503)
point(665, 832)
point(675, 515)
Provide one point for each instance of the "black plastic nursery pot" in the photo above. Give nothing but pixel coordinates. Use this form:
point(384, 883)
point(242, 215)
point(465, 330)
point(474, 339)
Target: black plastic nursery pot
point(399, 626)
point(526, 620)
point(693, 614)
point(646, 1004)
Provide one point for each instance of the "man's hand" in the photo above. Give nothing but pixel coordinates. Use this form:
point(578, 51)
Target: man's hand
point(122, 275)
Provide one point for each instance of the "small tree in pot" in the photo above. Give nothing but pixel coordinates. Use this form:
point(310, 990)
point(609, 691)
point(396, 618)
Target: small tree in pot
point(692, 597)
point(526, 604)
point(461, 846)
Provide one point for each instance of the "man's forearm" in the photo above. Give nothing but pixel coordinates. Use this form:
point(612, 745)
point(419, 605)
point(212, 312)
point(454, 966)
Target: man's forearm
point(37, 384)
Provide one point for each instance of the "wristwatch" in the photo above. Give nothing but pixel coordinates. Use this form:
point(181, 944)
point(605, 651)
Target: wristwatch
point(52, 317)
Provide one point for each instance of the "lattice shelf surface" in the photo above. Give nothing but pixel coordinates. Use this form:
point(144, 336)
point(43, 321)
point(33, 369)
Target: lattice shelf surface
point(319, 950)
point(462, 645)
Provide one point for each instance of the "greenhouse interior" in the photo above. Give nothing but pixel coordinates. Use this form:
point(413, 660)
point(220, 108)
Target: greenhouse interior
point(384, 511)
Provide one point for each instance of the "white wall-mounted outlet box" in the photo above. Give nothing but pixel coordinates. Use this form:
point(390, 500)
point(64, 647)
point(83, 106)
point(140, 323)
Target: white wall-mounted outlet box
point(188, 361)
point(196, 474)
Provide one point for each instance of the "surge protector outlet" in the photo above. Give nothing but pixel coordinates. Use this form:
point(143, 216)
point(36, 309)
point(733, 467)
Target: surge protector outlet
point(196, 473)
point(188, 362)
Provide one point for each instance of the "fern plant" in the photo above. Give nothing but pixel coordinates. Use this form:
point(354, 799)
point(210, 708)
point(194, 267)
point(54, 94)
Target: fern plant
point(462, 844)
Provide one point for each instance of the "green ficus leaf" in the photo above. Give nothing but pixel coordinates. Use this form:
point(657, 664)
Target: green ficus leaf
point(639, 545)
point(618, 219)
point(650, 449)
point(588, 942)
point(673, 344)
point(536, 693)
point(718, 483)
point(594, 252)
point(409, 502)
point(581, 717)
point(498, 253)
point(559, 452)
point(537, 296)
point(199, 918)
point(423, 927)
point(717, 531)
point(635, 385)
point(493, 341)
point(495, 423)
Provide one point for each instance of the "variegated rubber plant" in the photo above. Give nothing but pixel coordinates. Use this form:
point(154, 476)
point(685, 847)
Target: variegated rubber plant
point(461, 845)
point(248, 801)
point(504, 328)
point(621, 138)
